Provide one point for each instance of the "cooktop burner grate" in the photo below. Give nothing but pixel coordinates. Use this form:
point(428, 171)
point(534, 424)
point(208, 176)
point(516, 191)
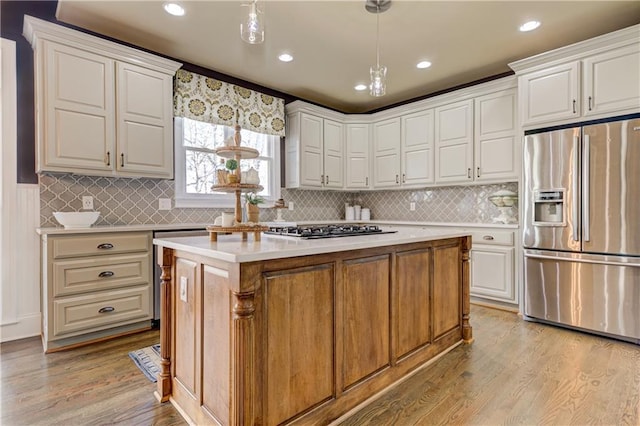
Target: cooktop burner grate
point(326, 231)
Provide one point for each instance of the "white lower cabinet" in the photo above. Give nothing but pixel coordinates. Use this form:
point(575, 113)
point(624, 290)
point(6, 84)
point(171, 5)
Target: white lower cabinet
point(95, 286)
point(493, 265)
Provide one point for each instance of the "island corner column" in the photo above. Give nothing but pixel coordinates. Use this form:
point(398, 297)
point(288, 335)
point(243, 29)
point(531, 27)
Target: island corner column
point(467, 330)
point(165, 261)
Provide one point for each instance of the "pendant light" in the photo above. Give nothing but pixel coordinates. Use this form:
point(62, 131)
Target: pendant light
point(252, 27)
point(378, 86)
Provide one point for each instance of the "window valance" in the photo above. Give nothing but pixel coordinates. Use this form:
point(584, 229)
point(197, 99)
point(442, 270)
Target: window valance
point(206, 99)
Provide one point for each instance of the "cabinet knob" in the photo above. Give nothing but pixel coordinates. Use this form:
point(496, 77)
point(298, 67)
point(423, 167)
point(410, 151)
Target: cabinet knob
point(106, 309)
point(488, 238)
point(106, 274)
point(105, 246)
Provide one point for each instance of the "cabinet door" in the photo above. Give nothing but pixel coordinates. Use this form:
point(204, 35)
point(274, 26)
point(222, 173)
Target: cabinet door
point(495, 154)
point(78, 111)
point(386, 145)
point(145, 126)
point(492, 272)
point(357, 164)
point(417, 148)
point(333, 154)
point(612, 81)
point(550, 95)
point(311, 151)
point(454, 142)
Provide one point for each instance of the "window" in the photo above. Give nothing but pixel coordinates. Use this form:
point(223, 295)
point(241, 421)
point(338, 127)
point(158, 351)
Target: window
point(196, 162)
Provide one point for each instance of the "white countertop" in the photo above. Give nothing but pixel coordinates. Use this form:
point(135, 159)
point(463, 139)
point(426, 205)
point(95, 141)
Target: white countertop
point(231, 248)
point(58, 230)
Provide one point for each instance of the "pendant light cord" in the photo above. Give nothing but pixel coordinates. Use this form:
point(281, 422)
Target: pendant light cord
point(378, 33)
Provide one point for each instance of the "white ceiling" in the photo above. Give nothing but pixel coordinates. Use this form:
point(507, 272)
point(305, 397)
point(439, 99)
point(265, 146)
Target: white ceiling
point(333, 42)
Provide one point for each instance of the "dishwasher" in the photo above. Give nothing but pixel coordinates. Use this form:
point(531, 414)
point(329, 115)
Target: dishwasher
point(194, 232)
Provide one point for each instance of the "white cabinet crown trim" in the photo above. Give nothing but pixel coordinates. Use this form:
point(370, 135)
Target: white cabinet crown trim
point(578, 50)
point(35, 29)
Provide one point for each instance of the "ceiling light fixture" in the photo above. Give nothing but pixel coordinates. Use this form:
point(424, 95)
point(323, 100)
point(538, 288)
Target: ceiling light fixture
point(423, 64)
point(360, 87)
point(285, 57)
point(174, 9)
point(378, 73)
point(529, 26)
point(252, 28)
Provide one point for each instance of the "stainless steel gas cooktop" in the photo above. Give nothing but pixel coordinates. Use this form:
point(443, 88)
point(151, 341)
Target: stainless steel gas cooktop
point(326, 231)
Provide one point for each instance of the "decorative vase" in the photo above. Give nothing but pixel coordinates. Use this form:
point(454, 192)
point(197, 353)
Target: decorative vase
point(253, 213)
point(233, 178)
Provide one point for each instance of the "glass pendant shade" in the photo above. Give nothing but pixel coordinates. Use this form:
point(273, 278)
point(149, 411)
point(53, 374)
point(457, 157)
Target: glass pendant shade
point(378, 86)
point(252, 28)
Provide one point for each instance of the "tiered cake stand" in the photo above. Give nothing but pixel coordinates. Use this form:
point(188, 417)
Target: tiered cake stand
point(238, 153)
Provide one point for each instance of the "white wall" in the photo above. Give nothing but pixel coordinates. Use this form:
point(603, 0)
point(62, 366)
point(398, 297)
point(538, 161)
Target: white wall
point(19, 217)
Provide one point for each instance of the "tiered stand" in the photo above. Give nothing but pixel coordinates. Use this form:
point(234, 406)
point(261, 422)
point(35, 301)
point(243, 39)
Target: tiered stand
point(238, 153)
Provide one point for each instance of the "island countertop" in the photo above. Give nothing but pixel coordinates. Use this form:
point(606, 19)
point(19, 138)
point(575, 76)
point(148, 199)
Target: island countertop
point(231, 248)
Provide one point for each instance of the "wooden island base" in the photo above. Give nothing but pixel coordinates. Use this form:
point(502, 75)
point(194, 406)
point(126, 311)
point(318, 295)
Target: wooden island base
point(303, 340)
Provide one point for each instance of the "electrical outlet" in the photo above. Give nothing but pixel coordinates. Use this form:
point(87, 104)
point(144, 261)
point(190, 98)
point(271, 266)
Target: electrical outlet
point(290, 205)
point(412, 207)
point(164, 203)
point(87, 202)
point(183, 288)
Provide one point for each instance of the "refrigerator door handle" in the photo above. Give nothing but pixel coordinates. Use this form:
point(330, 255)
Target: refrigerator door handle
point(574, 189)
point(585, 190)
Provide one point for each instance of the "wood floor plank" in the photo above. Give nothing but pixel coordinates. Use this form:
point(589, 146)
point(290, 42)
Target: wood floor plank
point(515, 373)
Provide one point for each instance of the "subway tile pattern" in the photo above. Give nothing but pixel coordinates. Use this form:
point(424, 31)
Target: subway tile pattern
point(135, 201)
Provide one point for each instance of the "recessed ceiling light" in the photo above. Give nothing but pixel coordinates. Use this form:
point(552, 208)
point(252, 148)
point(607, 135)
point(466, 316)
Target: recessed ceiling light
point(360, 87)
point(285, 57)
point(174, 9)
point(423, 64)
point(529, 26)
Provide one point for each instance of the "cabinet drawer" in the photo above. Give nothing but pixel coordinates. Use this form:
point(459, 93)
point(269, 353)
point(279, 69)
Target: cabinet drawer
point(492, 237)
point(101, 310)
point(100, 244)
point(86, 274)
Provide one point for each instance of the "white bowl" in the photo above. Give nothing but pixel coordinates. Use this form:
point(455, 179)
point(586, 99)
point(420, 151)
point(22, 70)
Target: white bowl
point(72, 220)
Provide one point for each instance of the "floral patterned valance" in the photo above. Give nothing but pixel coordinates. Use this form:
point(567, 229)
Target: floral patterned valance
point(206, 99)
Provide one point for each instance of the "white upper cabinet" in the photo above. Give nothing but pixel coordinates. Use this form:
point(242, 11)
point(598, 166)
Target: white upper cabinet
point(357, 164)
point(454, 142)
point(315, 152)
point(495, 148)
point(386, 153)
point(417, 148)
point(101, 108)
point(594, 79)
point(612, 81)
point(550, 94)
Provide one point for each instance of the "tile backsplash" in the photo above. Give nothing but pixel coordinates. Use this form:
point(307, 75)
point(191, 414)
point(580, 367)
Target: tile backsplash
point(135, 201)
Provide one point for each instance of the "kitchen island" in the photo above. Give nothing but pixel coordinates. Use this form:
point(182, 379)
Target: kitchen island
point(294, 331)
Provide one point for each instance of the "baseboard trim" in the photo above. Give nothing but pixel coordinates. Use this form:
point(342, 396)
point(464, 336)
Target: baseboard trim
point(25, 326)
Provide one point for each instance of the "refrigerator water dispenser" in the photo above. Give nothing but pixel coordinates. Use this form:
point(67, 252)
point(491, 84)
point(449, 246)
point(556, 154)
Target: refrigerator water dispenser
point(549, 208)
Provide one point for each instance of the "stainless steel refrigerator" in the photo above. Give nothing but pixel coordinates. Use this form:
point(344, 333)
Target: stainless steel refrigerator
point(582, 227)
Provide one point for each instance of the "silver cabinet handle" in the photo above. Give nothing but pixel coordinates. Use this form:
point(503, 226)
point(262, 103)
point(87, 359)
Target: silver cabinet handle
point(106, 309)
point(574, 189)
point(478, 172)
point(469, 173)
point(122, 159)
point(106, 274)
point(108, 158)
point(488, 238)
point(574, 106)
point(585, 190)
point(105, 246)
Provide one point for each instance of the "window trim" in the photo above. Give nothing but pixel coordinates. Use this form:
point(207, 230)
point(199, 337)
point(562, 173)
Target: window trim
point(184, 200)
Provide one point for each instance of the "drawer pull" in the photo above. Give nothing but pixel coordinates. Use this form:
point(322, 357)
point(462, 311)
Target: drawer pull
point(488, 238)
point(106, 309)
point(105, 274)
point(105, 246)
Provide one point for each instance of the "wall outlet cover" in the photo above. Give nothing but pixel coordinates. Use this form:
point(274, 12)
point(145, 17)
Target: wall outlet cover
point(412, 207)
point(290, 205)
point(87, 202)
point(164, 203)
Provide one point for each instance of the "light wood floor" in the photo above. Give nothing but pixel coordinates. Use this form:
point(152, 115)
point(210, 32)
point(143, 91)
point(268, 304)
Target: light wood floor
point(515, 372)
